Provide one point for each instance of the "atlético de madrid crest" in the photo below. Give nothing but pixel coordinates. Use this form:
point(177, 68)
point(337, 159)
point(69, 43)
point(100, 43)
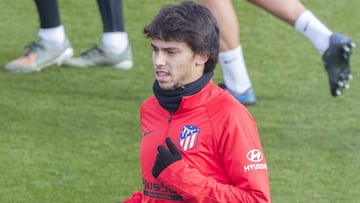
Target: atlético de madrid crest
point(188, 137)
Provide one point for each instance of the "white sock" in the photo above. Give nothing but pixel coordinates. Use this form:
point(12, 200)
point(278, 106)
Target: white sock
point(313, 29)
point(234, 70)
point(116, 42)
point(54, 36)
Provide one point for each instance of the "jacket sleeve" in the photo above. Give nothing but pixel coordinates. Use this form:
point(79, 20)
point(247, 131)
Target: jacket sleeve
point(135, 198)
point(242, 157)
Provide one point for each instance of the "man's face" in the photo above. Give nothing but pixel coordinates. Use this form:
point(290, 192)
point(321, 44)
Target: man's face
point(175, 63)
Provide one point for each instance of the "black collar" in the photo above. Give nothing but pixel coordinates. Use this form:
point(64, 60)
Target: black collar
point(170, 99)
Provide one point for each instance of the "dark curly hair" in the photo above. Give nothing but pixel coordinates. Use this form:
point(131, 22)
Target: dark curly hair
point(191, 23)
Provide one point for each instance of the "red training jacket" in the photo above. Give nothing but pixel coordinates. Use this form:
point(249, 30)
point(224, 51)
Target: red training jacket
point(223, 160)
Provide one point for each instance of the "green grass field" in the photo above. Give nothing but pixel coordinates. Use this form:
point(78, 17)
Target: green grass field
point(73, 135)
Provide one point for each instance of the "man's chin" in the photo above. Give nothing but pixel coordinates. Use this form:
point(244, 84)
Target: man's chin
point(166, 86)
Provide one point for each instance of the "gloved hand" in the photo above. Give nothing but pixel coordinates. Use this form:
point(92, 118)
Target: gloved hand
point(165, 157)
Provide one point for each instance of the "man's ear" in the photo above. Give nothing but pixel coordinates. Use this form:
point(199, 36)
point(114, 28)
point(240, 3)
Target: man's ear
point(201, 59)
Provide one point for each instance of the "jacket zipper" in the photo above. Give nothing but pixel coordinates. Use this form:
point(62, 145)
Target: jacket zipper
point(170, 117)
point(168, 126)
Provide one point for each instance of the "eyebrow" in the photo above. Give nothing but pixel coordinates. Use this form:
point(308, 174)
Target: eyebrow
point(166, 48)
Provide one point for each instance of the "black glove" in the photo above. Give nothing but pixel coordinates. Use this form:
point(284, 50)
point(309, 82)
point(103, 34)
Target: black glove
point(165, 157)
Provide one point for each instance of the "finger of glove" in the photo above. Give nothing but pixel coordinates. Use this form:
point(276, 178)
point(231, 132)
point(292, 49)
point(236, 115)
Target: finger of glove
point(158, 158)
point(156, 169)
point(163, 152)
point(163, 159)
point(172, 147)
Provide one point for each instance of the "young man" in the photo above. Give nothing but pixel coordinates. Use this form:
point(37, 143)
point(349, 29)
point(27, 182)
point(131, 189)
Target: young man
point(53, 46)
point(334, 48)
point(199, 144)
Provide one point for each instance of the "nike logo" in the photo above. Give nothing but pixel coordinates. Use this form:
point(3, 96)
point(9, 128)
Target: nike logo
point(148, 132)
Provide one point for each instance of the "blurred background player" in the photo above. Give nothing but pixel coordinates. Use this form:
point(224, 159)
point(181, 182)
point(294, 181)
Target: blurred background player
point(53, 46)
point(334, 48)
